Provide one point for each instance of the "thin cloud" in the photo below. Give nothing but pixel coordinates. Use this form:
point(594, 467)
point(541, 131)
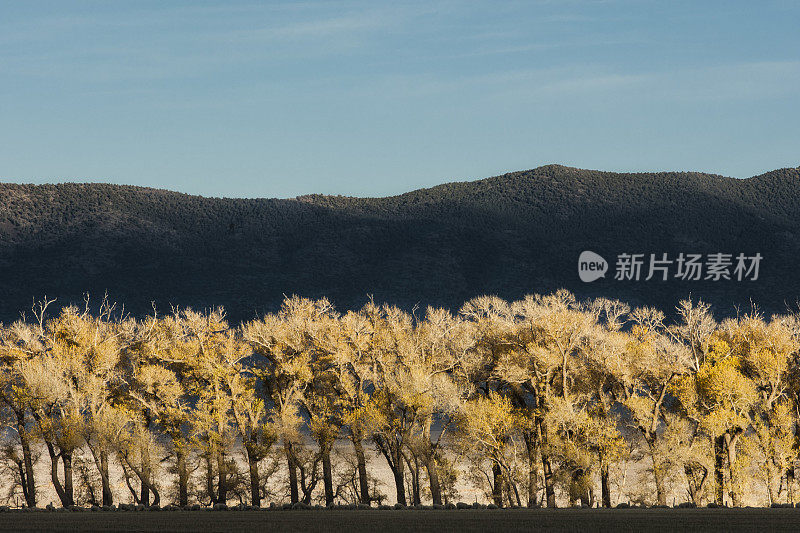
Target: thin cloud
point(322, 28)
point(734, 81)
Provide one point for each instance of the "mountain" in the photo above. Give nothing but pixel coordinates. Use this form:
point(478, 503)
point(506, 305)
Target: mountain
point(508, 235)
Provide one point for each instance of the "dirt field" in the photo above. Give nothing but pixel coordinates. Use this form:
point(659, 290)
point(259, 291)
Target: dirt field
point(460, 521)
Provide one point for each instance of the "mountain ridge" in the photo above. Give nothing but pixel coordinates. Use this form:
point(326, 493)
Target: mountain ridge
point(511, 234)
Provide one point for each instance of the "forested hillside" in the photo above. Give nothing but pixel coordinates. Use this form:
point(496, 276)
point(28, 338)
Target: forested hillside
point(508, 235)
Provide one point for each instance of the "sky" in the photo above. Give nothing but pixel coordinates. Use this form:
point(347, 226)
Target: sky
point(369, 98)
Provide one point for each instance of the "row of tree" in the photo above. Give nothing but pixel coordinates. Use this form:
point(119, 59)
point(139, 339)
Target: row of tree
point(529, 400)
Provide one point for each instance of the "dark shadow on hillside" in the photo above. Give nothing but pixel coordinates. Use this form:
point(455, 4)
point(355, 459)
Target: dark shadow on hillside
point(510, 235)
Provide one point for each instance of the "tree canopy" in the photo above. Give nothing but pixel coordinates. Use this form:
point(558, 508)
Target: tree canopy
point(544, 401)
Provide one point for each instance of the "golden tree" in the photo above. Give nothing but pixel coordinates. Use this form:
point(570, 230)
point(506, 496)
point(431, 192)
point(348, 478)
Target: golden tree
point(18, 343)
point(552, 332)
point(719, 397)
point(487, 427)
point(353, 367)
point(652, 364)
point(393, 405)
point(159, 361)
point(766, 351)
point(75, 384)
point(285, 346)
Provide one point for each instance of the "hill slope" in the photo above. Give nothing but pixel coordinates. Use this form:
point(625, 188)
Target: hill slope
point(509, 235)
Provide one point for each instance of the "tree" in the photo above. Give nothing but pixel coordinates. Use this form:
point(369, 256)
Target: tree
point(552, 332)
point(487, 426)
point(604, 368)
point(444, 341)
point(159, 361)
point(653, 363)
point(532, 396)
point(353, 367)
point(392, 406)
point(719, 397)
point(284, 342)
point(216, 365)
point(766, 351)
point(72, 380)
point(18, 343)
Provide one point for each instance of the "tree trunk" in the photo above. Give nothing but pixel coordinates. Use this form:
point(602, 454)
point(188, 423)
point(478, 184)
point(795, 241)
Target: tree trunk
point(433, 478)
point(691, 483)
point(54, 458)
point(127, 477)
point(156, 495)
point(547, 470)
point(532, 451)
point(429, 459)
point(293, 490)
point(222, 479)
point(212, 494)
point(361, 462)
point(145, 475)
point(399, 478)
point(255, 481)
point(108, 496)
point(66, 459)
point(586, 492)
point(770, 484)
point(549, 482)
point(413, 468)
point(719, 467)
point(415, 492)
point(28, 481)
point(605, 485)
point(515, 491)
point(183, 476)
point(21, 473)
point(735, 489)
point(100, 456)
point(144, 493)
point(573, 489)
point(327, 474)
point(497, 484)
point(658, 473)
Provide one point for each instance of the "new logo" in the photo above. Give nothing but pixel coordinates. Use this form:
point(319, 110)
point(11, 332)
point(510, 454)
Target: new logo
point(591, 266)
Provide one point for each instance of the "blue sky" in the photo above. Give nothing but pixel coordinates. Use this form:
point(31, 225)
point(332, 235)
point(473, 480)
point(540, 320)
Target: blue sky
point(230, 98)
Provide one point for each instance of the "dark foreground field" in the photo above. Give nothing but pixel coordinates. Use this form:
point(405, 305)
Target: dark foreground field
point(460, 521)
